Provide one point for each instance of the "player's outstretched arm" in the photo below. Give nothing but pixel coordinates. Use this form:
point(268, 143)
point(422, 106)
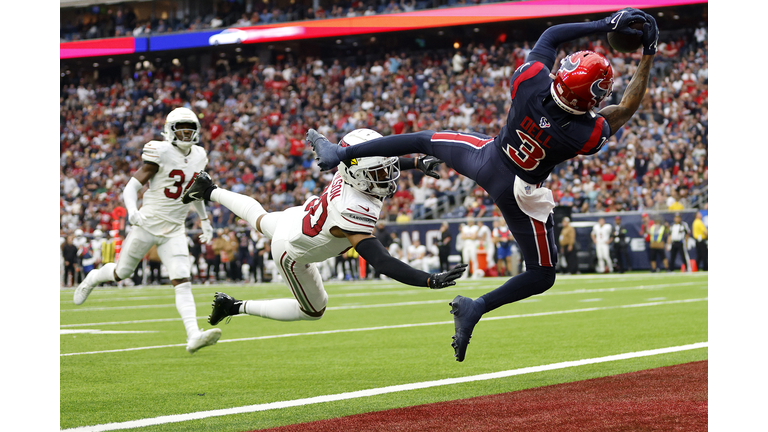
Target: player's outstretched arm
point(329, 155)
point(425, 164)
point(618, 115)
point(375, 254)
point(545, 49)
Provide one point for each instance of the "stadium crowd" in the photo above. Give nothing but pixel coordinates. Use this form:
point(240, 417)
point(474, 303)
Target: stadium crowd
point(254, 119)
point(103, 21)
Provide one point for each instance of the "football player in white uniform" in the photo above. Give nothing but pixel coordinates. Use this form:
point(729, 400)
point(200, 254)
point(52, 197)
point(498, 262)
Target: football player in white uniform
point(342, 217)
point(170, 167)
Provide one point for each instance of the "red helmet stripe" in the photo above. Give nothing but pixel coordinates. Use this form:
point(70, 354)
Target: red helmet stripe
point(594, 138)
point(528, 73)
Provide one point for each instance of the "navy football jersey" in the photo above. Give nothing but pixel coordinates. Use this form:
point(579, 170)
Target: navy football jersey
point(539, 135)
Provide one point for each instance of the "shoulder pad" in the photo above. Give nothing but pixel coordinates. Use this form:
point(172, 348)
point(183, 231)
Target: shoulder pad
point(152, 151)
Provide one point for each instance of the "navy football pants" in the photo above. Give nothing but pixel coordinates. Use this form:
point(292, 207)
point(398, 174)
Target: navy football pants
point(478, 157)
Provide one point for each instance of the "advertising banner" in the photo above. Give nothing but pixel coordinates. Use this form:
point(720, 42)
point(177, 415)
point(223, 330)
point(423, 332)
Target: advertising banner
point(428, 232)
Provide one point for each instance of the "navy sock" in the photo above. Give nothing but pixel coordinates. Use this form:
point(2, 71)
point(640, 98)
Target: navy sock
point(534, 281)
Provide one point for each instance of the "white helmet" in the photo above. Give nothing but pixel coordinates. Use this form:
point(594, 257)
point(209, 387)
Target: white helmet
point(182, 128)
point(97, 234)
point(373, 175)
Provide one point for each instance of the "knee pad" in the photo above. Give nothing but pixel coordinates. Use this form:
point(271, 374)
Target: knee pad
point(123, 273)
point(178, 267)
point(306, 316)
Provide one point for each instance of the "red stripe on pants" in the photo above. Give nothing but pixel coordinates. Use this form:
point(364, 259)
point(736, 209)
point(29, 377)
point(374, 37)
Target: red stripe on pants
point(457, 137)
point(542, 243)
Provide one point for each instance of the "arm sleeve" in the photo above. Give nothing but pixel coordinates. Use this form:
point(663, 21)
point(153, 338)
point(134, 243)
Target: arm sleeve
point(131, 194)
point(373, 251)
point(407, 163)
point(200, 209)
point(545, 50)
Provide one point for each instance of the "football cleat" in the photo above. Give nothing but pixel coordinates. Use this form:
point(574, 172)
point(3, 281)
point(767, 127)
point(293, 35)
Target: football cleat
point(206, 338)
point(465, 315)
point(82, 292)
point(223, 306)
point(196, 192)
point(327, 158)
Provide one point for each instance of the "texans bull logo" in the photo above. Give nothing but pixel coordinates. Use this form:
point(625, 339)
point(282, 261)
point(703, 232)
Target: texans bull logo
point(598, 93)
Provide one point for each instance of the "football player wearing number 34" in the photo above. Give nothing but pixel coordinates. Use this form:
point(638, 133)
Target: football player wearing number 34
point(550, 120)
point(342, 217)
point(169, 166)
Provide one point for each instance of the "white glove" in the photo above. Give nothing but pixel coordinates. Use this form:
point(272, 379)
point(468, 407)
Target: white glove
point(136, 218)
point(207, 234)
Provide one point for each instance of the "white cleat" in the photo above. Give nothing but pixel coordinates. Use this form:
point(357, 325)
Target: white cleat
point(206, 338)
point(82, 292)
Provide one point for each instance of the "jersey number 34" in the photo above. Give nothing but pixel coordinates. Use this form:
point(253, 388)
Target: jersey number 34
point(177, 186)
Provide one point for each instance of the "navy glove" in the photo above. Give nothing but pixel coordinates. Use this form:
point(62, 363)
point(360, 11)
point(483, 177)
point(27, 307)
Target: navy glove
point(446, 279)
point(427, 165)
point(620, 21)
point(650, 36)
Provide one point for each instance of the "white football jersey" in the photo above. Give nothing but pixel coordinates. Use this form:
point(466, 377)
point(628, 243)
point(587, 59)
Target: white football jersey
point(309, 226)
point(162, 204)
point(602, 233)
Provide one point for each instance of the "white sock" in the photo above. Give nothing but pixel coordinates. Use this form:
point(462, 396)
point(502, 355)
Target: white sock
point(185, 304)
point(105, 274)
point(279, 309)
point(243, 206)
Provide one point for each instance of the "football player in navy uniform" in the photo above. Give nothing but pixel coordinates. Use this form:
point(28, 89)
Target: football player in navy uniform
point(551, 120)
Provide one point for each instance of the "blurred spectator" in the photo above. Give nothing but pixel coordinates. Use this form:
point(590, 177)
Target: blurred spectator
point(468, 235)
point(69, 252)
point(601, 237)
point(620, 246)
point(153, 260)
point(678, 242)
point(444, 247)
point(568, 246)
point(659, 234)
point(700, 236)
point(260, 255)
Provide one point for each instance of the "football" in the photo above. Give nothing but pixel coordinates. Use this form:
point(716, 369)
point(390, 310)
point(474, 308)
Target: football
point(626, 43)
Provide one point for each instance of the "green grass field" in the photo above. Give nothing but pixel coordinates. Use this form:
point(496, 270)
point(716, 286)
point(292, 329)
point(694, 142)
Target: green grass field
point(123, 357)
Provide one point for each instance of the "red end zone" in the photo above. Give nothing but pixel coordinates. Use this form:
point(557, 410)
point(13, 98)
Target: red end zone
point(672, 398)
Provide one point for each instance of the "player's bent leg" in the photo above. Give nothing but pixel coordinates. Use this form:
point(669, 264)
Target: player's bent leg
point(135, 247)
point(243, 206)
point(94, 278)
point(174, 253)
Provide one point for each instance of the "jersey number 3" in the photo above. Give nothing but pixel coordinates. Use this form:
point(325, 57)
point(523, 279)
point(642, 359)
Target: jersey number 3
point(530, 153)
point(317, 204)
point(178, 184)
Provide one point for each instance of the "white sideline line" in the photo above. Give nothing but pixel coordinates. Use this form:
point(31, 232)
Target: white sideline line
point(381, 390)
point(538, 314)
point(408, 292)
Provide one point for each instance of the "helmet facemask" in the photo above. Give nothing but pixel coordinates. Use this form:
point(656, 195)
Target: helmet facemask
point(185, 133)
point(375, 176)
point(182, 128)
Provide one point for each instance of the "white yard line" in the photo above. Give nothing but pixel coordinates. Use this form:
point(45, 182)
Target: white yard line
point(381, 390)
point(538, 314)
point(407, 292)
